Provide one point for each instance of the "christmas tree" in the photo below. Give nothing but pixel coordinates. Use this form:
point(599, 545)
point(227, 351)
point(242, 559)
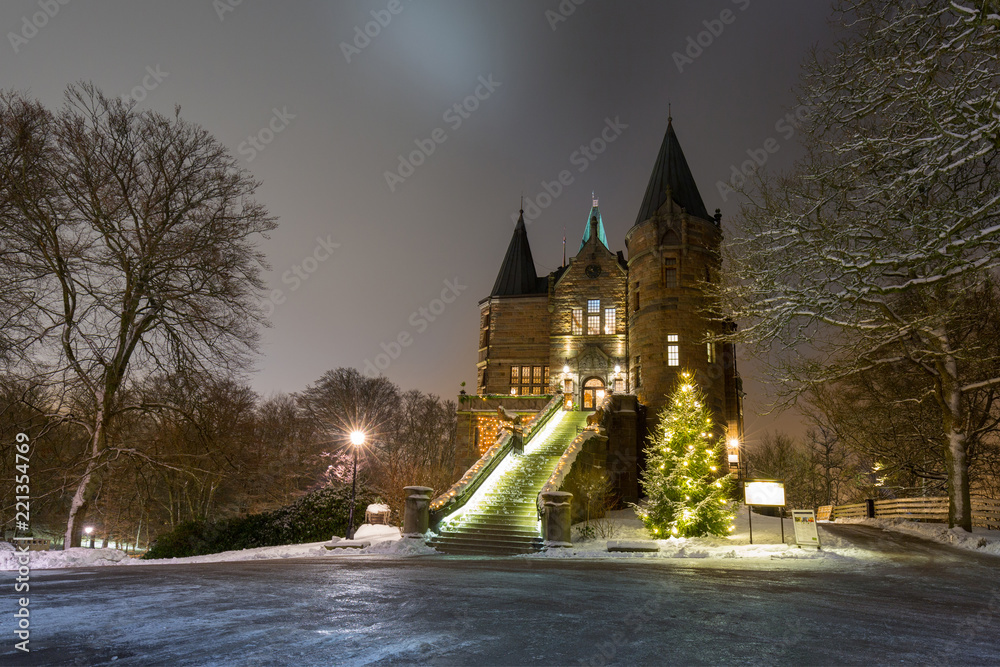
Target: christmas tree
point(687, 493)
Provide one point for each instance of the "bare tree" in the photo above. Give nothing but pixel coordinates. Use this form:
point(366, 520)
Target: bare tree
point(132, 235)
point(411, 435)
point(889, 413)
point(855, 259)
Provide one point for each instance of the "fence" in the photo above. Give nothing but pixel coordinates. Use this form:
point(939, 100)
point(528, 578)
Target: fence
point(985, 511)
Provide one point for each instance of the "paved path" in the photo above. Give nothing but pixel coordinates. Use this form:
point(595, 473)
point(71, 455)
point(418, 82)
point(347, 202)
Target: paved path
point(937, 606)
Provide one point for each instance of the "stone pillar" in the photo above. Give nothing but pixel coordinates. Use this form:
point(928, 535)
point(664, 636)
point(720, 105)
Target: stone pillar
point(417, 511)
point(557, 520)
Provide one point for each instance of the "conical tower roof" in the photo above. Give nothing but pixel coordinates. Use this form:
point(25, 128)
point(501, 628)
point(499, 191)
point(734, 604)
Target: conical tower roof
point(671, 174)
point(601, 235)
point(517, 273)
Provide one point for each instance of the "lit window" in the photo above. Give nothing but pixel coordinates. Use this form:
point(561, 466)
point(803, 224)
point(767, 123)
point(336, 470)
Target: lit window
point(593, 324)
point(536, 377)
point(609, 321)
point(526, 374)
point(594, 306)
point(578, 321)
point(673, 351)
point(515, 375)
point(710, 349)
point(619, 386)
point(546, 376)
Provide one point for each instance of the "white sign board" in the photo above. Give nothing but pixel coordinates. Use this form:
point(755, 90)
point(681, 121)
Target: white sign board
point(765, 493)
point(806, 534)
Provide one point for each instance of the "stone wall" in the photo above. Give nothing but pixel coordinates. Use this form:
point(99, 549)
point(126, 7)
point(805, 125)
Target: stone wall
point(518, 329)
point(661, 304)
point(594, 273)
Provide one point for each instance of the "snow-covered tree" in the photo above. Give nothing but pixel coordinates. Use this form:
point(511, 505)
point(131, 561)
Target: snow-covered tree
point(687, 495)
point(854, 259)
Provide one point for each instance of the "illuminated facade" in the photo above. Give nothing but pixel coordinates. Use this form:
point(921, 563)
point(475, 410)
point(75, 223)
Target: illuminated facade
point(606, 323)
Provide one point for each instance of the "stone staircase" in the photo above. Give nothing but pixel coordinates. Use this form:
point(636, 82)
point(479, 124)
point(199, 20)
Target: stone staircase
point(502, 520)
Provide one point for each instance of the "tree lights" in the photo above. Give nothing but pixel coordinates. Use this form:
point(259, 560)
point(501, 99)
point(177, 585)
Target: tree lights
point(687, 496)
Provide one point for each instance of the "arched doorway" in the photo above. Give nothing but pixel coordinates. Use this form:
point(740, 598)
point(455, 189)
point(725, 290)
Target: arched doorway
point(593, 393)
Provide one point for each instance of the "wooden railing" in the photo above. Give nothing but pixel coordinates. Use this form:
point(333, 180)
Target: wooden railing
point(985, 511)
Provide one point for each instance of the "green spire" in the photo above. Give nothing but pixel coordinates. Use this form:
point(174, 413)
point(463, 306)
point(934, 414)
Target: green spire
point(595, 213)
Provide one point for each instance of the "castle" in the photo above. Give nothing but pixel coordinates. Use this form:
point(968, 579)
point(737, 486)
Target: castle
point(610, 323)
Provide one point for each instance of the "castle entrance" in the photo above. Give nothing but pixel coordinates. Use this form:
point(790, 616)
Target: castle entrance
point(593, 393)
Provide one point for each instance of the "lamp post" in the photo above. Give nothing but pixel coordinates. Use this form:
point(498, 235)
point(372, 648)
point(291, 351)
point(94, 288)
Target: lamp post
point(90, 533)
point(357, 439)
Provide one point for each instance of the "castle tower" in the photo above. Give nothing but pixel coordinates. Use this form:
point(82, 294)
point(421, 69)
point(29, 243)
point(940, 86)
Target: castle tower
point(514, 326)
point(673, 250)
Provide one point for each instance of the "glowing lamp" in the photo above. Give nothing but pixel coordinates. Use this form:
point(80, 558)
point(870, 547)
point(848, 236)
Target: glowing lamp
point(566, 368)
point(357, 438)
point(734, 443)
point(618, 369)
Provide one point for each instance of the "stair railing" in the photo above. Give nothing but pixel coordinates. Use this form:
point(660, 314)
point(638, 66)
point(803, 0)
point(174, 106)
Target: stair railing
point(462, 490)
point(568, 458)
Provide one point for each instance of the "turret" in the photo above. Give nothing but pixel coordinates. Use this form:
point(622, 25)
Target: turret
point(673, 251)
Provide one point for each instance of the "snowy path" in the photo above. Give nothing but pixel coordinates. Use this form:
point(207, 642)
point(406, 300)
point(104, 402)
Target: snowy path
point(913, 550)
point(489, 611)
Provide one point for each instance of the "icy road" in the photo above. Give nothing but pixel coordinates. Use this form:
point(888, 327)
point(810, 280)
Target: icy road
point(918, 603)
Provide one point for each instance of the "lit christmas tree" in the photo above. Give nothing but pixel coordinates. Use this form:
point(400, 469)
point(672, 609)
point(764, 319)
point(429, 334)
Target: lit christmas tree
point(687, 494)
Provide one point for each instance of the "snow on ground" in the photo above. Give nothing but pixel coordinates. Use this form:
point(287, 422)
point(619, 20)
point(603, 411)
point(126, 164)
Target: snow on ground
point(625, 526)
point(78, 557)
point(385, 540)
point(622, 525)
point(981, 539)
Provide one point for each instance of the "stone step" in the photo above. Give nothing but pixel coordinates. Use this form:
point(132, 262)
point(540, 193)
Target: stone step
point(471, 546)
point(487, 529)
point(452, 550)
point(524, 519)
point(489, 537)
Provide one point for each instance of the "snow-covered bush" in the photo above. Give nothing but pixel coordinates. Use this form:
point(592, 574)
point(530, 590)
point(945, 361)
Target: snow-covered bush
point(314, 517)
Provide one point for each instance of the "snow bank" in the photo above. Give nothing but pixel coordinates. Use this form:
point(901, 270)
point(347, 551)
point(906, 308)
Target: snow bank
point(76, 557)
point(376, 532)
point(625, 526)
point(406, 546)
point(980, 539)
point(385, 540)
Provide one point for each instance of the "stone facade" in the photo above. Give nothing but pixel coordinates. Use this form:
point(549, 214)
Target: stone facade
point(604, 323)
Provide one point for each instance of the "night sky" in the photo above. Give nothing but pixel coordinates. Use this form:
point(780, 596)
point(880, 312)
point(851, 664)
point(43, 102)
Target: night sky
point(319, 112)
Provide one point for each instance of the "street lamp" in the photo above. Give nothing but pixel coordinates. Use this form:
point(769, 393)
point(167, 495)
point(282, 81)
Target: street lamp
point(357, 439)
point(90, 533)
